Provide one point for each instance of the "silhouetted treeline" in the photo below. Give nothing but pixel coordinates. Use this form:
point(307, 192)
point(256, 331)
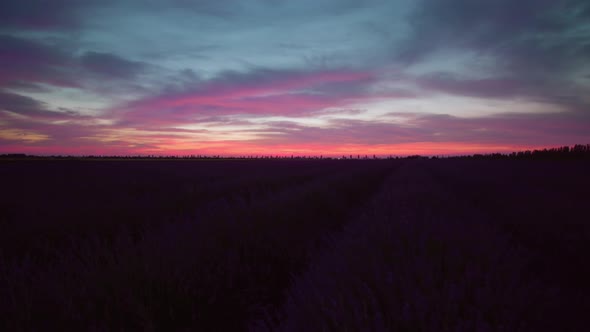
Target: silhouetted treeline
point(578, 151)
point(183, 157)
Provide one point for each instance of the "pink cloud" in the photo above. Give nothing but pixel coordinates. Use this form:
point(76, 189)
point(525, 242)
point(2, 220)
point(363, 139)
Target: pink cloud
point(147, 126)
point(270, 93)
point(426, 134)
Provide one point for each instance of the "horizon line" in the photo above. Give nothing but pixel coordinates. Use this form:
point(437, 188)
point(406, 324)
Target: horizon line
point(576, 148)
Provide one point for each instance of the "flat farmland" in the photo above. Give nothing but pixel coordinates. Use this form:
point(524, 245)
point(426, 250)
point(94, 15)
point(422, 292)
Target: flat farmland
point(412, 244)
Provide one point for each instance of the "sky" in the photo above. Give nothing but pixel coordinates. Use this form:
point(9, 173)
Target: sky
point(306, 77)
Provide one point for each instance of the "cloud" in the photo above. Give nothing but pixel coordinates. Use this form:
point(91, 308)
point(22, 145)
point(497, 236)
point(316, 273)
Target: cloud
point(19, 104)
point(517, 128)
point(28, 121)
point(415, 133)
point(26, 86)
point(485, 88)
point(481, 25)
point(30, 107)
point(39, 14)
point(267, 75)
point(38, 65)
point(508, 129)
point(259, 92)
point(25, 60)
point(110, 65)
point(526, 35)
point(527, 49)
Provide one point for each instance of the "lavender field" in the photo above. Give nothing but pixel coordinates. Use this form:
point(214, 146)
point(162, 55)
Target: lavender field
point(412, 244)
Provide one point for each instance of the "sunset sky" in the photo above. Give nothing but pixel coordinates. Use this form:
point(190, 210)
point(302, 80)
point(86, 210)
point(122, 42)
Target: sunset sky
point(306, 77)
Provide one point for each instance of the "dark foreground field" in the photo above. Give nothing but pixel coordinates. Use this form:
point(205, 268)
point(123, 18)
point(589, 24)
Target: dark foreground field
point(295, 245)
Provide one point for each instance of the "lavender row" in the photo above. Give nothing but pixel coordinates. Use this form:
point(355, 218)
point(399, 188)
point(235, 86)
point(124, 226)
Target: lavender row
point(46, 202)
point(425, 257)
point(217, 268)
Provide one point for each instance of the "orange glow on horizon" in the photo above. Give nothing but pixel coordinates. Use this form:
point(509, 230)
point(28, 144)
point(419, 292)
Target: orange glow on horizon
point(240, 148)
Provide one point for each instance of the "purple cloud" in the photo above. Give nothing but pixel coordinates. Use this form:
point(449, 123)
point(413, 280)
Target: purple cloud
point(508, 129)
point(210, 74)
point(39, 14)
point(261, 92)
point(29, 61)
